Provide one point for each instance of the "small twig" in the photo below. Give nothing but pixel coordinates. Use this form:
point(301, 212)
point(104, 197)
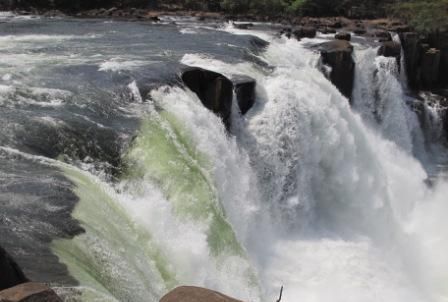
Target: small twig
point(281, 293)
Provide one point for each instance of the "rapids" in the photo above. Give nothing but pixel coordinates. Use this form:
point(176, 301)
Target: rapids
point(127, 186)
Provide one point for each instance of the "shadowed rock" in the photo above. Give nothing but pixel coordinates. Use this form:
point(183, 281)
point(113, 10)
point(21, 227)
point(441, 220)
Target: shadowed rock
point(29, 292)
point(195, 294)
point(245, 92)
point(338, 55)
point(430, 68)
point(10, 272)
point(343, 36)
point(213, 89)
point(390, 49)
point(304, 32)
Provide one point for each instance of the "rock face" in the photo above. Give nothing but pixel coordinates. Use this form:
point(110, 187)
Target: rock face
point(245, 92)
point(430, 64)
point(426, 59)
point(410, 43)
point(195, 294)
point(440, 41)
point(213, 89)
point(10, 273)
point(338, 55)
point(390, 49)
point(343, 36)
point(304, 32)
point(29, 292)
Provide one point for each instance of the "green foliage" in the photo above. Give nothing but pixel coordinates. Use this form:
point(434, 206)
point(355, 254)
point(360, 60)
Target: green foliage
point(424, 15)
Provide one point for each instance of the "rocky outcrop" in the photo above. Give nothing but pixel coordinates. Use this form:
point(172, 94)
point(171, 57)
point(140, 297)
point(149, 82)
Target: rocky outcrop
point(439, 41)
point(430, 64)
point(10, 273)
point(195, 294)
point(304, 32)
point(343, 36)
point(245, 92)
point(213, 89)
point(216, 91)
point(29, 292)
point(338, 55)
point(410, 44)
point(390, 49)
point(426, 58)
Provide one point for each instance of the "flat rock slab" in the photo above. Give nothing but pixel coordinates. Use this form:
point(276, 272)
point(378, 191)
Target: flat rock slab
point(195, 294)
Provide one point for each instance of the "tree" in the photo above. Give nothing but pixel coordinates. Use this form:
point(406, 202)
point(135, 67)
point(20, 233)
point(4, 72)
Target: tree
point(424, 15)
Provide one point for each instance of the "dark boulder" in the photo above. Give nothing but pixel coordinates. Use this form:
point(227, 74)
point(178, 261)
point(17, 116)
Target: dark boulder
point(213, 89)
point(245, 92)
point(304, 32)
point(390, 49)
point(195, 294)
point(10, 273)
point(430, 64)
point(338, 55)
point(343, 36)
point(359, 31)
point(243, 25)
point(29, 292)
point(411, 49)
point(382, 35)
point(287, 31)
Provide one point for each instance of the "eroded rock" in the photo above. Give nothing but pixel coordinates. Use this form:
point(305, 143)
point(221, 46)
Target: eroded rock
point(213, 89)
point(338, 55)
point(245, 92)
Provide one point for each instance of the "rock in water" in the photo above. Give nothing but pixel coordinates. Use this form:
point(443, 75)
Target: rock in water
point(245, 92)
point(29, 292)
point(390, 49)
point(338, 55)
point(10, 273)
point(213, 89)
point(343, 36)
point(195, 294)
point(304, 32)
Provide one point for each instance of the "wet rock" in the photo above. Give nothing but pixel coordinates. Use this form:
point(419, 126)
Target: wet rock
point(343, 36)
point(304, 32)
point(245, 92)
point(243, 25)
point(327, 30)
point(213, 89)
point(195, 294)
point(390, 49)
point(382, 35)
point(359, 31)
point(287, 31)
point(430, 64)
point(29, 292)
point(338, 55)
point(10, 272)
point(411, 49)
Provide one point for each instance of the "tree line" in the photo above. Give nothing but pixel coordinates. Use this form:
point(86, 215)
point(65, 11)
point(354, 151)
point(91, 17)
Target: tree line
point(425, 15)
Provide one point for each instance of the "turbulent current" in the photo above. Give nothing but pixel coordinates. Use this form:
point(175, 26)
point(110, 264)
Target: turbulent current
point(117, 184)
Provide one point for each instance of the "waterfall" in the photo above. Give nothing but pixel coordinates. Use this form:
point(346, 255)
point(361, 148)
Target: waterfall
point(304, 191)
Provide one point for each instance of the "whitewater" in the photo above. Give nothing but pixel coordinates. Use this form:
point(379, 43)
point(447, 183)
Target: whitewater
point(331, 201)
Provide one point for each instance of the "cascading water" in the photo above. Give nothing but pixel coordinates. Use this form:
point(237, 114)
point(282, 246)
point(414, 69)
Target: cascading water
point(306, 192)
